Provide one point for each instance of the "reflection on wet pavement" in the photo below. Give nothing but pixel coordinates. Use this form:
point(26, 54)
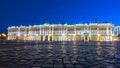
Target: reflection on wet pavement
point(60, 55)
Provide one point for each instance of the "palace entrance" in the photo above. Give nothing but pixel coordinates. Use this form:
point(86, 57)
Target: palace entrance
point(86, 36)
point(41, 38)
point(50, 38)
point(46, 38)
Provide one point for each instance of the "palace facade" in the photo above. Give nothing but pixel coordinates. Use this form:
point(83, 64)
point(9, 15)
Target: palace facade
point(63, 32)
point(117, 30)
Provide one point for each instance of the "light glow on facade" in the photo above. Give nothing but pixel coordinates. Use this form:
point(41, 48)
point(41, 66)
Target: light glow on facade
point(63, 32)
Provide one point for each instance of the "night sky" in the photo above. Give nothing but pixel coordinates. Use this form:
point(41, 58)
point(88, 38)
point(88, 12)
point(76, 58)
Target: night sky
point(29, 12)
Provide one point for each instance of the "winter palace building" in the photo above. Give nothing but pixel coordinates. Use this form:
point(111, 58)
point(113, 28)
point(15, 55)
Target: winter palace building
point(63, 32)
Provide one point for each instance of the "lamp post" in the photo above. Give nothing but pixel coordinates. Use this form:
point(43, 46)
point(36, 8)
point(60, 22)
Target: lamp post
point(3, 36)
point(0, 36)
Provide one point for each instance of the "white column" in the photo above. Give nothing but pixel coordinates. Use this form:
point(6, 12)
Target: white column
point(60, 38)
point(52, 33)
point(90, 33)
point(97, 33)
point(43, 37)
point(84, 32)
point(60, 30)
point(111, 35)
point(48, 38)
point(48, 33)
point(75, 33)
point(43, 33)
point(29, 33)
point(75, 29)
point(107, 32)
point(66, 33)
point(39, 35)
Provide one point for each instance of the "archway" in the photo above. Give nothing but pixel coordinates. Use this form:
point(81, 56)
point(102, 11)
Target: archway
point(86, 36)
point(46, 38)
point(41, 38)
point(50, 38)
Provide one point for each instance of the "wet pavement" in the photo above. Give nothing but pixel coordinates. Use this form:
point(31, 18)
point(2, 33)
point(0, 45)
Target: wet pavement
point(60, 55)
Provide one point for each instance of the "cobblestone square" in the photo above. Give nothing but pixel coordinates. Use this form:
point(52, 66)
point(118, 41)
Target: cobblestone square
point(59, 54)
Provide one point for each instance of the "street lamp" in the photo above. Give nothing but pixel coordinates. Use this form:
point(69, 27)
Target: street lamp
point(4, 35)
